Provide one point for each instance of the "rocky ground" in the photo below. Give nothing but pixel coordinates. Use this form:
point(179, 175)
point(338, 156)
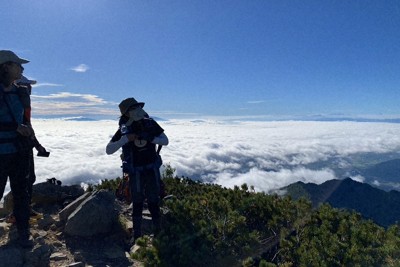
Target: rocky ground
point(53, 247)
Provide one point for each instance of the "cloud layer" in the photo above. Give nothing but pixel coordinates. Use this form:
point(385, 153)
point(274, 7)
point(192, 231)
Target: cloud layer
point(72, 104)
point(267, 155)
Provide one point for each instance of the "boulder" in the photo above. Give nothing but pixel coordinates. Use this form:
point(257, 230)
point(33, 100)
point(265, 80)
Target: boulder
point(48, 194)
point(96, 215)
point(64, 214)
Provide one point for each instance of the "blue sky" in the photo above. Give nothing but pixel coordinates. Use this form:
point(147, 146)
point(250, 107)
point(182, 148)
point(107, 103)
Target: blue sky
point(249, 59)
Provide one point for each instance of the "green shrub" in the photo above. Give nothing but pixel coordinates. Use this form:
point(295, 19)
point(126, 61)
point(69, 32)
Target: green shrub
point(209, 225)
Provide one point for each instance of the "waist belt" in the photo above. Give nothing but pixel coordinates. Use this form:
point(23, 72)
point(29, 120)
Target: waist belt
point(128, 166)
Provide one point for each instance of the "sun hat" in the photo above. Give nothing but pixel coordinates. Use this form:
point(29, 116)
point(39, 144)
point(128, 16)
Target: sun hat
point(7, 55)
point(25, 80)
point(127, 103)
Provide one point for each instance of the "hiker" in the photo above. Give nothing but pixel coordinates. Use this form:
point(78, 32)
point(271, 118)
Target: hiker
point(24, 86)
point(24, 91)
point(15, 142)
point(138, 136)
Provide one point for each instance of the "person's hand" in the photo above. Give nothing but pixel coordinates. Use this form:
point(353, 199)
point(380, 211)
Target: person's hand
point(132, 137)
point(25, 130)
point(40, 149)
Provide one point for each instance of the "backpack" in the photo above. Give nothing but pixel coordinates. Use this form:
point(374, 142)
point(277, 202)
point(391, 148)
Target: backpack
point(123, 191)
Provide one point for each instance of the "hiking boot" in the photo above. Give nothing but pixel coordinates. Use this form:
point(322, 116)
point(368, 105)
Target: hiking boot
point(24, 239)
point(133, 239)
point(156, 226)
point(131, 242)
point(25, 242)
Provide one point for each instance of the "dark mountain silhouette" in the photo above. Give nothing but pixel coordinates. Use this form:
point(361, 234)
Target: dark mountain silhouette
point(380, 206)
point(388, 171)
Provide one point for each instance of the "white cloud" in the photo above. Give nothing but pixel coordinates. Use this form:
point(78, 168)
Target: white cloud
point(73, 97)
point(72, 104)
point(81, 68)
point(255, 102)
point(47, 85)
point(270, 155)
point(267, 155)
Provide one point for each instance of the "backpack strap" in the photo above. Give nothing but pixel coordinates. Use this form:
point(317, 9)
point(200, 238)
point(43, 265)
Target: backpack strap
point(159, 149)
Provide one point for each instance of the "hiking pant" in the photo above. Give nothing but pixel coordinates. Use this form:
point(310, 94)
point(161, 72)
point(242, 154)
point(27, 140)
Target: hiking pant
point(144, 184)
point(31, 176)
point(16, 167)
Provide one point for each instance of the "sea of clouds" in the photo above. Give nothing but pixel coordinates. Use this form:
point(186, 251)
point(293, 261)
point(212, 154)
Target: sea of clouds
point(266, 155)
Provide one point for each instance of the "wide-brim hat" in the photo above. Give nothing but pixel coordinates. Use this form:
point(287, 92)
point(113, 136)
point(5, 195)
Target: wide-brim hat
point(10, 56)
point(25, 80)
point(128, 103)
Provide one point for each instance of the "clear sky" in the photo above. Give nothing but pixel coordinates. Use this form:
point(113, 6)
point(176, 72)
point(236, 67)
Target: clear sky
point(268, 59)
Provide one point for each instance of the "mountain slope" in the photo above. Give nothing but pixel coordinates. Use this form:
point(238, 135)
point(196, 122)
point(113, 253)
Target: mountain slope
point(388, 171)
point(378, 205)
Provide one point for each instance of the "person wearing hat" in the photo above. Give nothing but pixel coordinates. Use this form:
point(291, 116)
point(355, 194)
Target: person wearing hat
point(14, 142)
point(24, 89)
point(138, 136)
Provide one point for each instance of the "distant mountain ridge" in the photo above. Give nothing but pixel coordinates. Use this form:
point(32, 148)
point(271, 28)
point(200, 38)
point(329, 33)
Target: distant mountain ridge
point(380, 206)
point(387, 170)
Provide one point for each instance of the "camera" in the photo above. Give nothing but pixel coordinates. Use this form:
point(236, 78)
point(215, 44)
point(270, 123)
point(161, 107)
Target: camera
point(125, 129)
point(43, 154)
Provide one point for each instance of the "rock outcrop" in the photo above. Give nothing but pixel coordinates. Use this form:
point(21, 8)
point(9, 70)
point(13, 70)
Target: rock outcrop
point(74, 229)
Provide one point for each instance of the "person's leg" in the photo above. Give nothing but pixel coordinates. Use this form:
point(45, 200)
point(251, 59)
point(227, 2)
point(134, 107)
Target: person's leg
point(18, 182)
point(32, 176)
point(137, 209)
point(137, 193)
point(31, 181)
point(152, 189)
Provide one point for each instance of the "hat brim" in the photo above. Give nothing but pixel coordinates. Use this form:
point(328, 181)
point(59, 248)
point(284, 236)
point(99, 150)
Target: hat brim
point(30, 82)
point(25, 80)
point(138, 104)
point(23, 61)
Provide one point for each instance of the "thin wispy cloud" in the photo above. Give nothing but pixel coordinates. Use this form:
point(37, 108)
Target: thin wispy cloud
point(72, 104)
point(81, 68)
point(89, 98)
point(47, 85)
point(255, 102)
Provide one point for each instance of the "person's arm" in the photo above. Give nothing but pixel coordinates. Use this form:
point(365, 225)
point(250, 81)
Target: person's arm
point(116, 142)
point(38, 146)
point(162, 139)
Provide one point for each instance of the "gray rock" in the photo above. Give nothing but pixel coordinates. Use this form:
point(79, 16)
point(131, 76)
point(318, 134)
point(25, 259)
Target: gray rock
point(3, 211)
point(58, 256)
point(95, 215)
point(64, 214)
point(46, 222)
point(47, 194)
point(3, 229)
point(115, 252)
point(39, 256)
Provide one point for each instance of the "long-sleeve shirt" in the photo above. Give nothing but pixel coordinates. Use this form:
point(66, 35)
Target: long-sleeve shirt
point(113, 146)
